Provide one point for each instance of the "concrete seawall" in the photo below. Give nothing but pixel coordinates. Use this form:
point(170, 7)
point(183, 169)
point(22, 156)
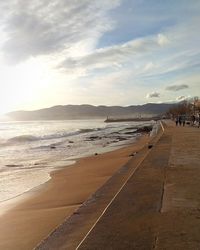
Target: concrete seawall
point(153, 203)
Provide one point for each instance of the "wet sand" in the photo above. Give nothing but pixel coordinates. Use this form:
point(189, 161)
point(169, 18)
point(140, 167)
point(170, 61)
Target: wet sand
point(26, 224)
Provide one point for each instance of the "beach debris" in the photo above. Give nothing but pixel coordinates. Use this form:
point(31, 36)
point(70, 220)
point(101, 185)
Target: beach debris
point(96, 154)
point(133, 154)
point(71, 141)
point(150, 146)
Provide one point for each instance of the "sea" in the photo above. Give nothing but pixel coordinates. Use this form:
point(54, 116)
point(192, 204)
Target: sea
point(30, 150)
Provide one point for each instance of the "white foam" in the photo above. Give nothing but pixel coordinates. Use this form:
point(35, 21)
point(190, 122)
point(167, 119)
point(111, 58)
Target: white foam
point(27, 165)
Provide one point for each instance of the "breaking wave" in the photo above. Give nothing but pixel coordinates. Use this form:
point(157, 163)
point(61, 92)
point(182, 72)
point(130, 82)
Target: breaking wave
point(31, 138)
point(22, 138)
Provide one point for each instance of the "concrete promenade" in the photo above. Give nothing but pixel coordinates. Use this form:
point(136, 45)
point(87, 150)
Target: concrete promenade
point(157, 208)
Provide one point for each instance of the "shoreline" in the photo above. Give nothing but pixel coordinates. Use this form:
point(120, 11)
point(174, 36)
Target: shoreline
point(12, 202)
point(48, 205)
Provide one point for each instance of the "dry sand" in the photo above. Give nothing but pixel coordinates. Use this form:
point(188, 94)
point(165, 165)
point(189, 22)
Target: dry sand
point(25, 225)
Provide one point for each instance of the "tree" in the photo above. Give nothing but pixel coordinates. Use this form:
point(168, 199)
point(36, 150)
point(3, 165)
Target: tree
point(187, 107)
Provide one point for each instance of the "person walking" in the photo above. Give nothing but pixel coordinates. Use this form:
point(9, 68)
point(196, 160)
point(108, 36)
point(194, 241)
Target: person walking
point(180, 120)
point(192, 120)
point(183, 120)
point(176, 120)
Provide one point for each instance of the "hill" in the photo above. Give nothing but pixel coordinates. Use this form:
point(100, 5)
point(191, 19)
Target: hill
point(85, 111)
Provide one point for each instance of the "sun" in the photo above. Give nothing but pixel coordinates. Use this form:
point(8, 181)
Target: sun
point(22, 85)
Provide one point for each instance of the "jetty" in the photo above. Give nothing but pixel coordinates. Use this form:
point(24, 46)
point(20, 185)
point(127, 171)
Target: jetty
point(133, 119)
point(151, 203)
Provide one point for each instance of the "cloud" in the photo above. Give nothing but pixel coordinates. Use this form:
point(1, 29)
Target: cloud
point(114, 55)
point(103, 50)
point(43, 27)
point(153, 95)
point(181, 98)
point(162, 40)
point(150, 67)
point(177, 87)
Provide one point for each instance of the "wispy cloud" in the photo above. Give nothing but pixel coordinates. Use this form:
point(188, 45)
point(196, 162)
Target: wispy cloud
point(177, 87)
point(116, 56)
point(42, 27)
point(110, 52)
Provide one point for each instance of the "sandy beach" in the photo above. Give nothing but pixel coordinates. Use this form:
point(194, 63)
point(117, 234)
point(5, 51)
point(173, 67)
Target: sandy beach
point(37, 215)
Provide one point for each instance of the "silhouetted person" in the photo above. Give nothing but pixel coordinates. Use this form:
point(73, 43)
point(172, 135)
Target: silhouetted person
point(180, 120)
point(192, 120)
point(176, 120)
point(183, 120)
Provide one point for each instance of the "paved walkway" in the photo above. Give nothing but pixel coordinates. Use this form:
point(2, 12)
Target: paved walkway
point(158, 208)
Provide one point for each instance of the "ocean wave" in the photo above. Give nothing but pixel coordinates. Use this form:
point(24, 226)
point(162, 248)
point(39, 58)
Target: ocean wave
point(22, 138)
point(87, 130)
point(31, 138)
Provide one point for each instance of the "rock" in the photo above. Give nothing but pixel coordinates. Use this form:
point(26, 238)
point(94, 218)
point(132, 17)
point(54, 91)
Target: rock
point(145, 129)
point(96, 154)
point(94, 138)
point(150, 146)
point(121, 138)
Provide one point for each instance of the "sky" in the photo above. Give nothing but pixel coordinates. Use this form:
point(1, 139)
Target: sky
point(108, 52)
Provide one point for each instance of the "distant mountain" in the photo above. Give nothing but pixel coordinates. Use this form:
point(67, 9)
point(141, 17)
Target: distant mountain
point(85, 111)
